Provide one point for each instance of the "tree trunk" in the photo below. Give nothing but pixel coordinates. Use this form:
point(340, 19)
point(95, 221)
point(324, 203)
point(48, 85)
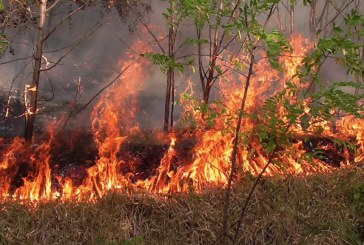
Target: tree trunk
point(360, 77)
point(168, 100)
point(31, 110)
point(313, 30)
point(235, 147)
point(206, 94)
point(170, 78)
point(173, 98)
point(292, 19)
point(313, 22)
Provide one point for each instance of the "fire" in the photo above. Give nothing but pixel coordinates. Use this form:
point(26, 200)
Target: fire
point(28, 172)
point(34, 186)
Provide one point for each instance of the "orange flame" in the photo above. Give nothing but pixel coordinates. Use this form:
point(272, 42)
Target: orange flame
point(26, 172)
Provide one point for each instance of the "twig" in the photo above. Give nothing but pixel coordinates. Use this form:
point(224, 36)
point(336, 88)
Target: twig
point(236, 143)
point(78, 42)
point(247, 201)
point(98, 93)
point(65, 18)
point(147, 28)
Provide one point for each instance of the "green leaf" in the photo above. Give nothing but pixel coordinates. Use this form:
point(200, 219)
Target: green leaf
point(165, 62)
point(3, 43)
point(134, 241)
point(218, 69)
point(357, 196)
point(2, 6)
point(277, 44)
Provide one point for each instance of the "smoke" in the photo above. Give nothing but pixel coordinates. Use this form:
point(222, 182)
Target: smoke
point(94, 62)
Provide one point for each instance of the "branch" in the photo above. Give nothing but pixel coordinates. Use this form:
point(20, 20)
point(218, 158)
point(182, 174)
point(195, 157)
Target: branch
point(53, 5)
point(338, 13)
point(235, 145)
point(99, 92)
point(65, 18)
point(78, 42)
point(15, 60)
point(246, 204)
point(201, 69)
point(7, 109)
point(52, 89)
point(146, 27)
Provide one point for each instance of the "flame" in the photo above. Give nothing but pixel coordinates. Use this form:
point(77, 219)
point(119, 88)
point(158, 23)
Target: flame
point(28, 173)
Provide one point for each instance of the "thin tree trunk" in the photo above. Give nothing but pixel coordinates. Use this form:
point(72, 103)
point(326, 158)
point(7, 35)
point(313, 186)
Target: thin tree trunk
point(33, 89)
point(313, 21)
point(235, 148)
point(168, 107)
point(167, 101)
point(292, 13)
point(313, 29)
point(250, 195)
point(173, 99)
point(206, 94)
point(360, 77)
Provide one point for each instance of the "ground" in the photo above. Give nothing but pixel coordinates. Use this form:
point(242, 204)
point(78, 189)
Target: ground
point(315, 209)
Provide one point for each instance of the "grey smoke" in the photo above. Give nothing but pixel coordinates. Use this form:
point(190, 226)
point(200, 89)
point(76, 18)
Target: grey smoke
point(95, 61)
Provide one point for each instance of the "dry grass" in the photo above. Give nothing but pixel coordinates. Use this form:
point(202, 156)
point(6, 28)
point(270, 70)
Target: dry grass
point(319, 209)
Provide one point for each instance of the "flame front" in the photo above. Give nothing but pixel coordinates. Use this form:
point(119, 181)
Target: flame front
point(26, 171)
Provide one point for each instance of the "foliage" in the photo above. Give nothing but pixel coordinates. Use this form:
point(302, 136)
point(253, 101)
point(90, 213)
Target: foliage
point(358, 195)
point(325, 104)
point(134, 241)
point(165, 62)
point(3, 43)
point(277, 44)
point(334, 100)
point(341, 46)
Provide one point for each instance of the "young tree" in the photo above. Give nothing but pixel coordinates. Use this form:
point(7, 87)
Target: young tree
point(275, 132)
point(25, 12)
point(167, 59)
point(43, 9)
point(215, 34)
point(173, 17)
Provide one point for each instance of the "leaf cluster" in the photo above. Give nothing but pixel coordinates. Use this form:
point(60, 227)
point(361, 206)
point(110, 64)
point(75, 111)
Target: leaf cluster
point(3, 43)
point(165, 62)
point(335, 99)
point(341, 46)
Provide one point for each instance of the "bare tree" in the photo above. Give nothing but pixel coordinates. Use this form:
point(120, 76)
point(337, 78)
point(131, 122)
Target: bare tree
point(40, 13)
point(33, 88)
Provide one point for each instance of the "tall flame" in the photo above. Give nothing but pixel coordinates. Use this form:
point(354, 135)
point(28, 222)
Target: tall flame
point(26, 171)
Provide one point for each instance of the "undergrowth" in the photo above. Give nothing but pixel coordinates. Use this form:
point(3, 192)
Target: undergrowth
point(316, 209)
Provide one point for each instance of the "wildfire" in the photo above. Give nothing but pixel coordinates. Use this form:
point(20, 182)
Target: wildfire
point(27, 172)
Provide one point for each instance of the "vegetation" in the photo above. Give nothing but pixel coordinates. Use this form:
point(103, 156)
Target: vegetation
point(230, 40)
point(316, 209)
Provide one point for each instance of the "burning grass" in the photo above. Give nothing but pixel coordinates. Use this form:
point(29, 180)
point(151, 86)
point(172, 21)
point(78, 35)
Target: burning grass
point(317, 209)
point(86, 167)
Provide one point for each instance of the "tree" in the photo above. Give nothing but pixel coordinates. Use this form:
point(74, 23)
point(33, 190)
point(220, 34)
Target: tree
point(273, 129)
point(241, 29)
point(43, 9)
point(167, 59)
point(33, 88)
